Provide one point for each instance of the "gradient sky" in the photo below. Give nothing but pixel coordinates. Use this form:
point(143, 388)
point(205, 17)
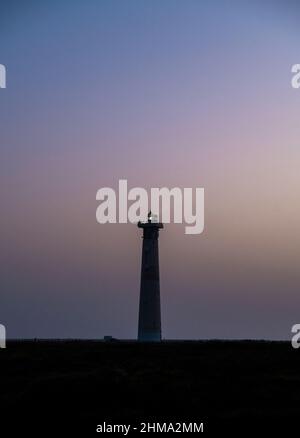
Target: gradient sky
point(161, 93)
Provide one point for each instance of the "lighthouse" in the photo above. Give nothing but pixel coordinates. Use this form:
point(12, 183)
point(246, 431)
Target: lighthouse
point(149, 310)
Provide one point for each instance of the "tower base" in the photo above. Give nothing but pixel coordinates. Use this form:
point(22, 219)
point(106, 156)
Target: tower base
point(149, 337)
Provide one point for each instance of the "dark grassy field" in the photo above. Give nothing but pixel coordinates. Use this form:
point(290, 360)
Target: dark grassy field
point(75, 385)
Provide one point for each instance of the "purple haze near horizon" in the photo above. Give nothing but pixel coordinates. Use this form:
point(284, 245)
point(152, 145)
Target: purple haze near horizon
point(171, 93)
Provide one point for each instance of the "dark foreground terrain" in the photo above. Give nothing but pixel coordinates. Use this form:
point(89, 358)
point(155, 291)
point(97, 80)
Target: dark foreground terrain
point(75, 385)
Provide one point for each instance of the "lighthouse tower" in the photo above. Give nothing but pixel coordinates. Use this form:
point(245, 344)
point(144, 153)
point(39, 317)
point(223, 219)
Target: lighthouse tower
point(149, 311)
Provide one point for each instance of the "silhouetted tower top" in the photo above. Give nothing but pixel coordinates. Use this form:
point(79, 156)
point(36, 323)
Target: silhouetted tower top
point(151, 224)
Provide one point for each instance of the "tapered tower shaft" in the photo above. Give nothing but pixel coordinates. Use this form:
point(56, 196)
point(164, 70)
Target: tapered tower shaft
point(149, 309)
